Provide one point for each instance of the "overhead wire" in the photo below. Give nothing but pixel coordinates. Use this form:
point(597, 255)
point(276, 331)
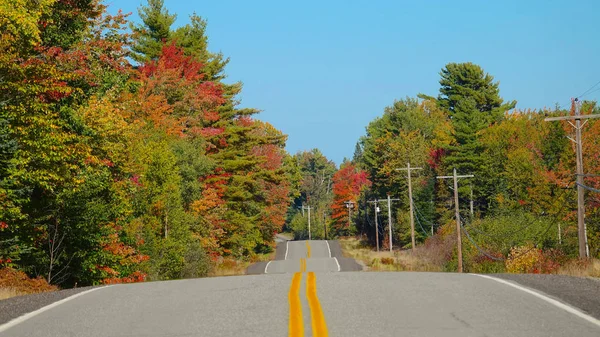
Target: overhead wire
point(591, 92)
point(587, 92)
point(544, 233)
point(417, 213)
point(427, 222)
point(588, 188)
point(483, 252)
point(421, 226)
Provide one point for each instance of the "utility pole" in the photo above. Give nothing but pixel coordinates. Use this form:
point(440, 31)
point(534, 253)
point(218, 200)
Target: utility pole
point(350, 205)
point(410, 198)
point(471, 202)
point(559, 235)
point(457, 214)
point(389, 201)
point(582, 237)
point(308, 208)
point(325, 225)
point(376, 225)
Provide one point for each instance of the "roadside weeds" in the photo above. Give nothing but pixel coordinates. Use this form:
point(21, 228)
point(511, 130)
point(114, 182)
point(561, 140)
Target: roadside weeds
point(386, 261)
point(16, 283)
point(433, 257)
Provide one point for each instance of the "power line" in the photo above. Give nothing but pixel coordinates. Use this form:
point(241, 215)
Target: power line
point(409, 170)
point(587, 91)
point(421, 226)
point(477, 246)
point(504, 259)
point(498, 237)
point(424, 220)
point(591, 92)
point(588, 188)
point(544, 233)
point(455, 178)
point(581, 225)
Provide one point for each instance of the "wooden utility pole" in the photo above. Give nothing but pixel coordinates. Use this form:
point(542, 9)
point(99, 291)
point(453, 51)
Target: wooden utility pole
point(582, 237)
point(350, 205)
point(308, 208)
point(410, 198)
point(376, 225)
point(325, 225)
point(471, 202)
point(389, 201)
point(457, 214)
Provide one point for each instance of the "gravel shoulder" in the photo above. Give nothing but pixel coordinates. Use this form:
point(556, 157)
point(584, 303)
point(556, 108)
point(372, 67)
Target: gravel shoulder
point(14, 307)
point(582, 293)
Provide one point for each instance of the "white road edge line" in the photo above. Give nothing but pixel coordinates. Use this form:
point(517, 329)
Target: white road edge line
point(554, 302)
point(267, 266)
point(34, 313)
point(329, 249)
point(287, 243)
point(338, 264)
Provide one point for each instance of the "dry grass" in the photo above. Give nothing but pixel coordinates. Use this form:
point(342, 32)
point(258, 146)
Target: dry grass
point(15, 283)
point(9, 292)
point(590, 268)
point(231, 267)
point(386, 261)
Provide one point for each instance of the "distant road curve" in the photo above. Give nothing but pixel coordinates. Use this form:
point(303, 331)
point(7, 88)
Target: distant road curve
point(327, 256)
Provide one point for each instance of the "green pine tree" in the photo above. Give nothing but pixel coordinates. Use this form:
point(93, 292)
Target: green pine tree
point(473, 101)
point(155, 30)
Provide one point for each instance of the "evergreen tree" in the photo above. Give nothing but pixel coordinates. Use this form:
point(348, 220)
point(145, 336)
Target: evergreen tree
point(194, 41)
point(473, 101)
point(153, 33)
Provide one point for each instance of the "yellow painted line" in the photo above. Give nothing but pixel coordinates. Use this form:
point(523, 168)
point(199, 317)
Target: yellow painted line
point(307, 249)
point(295, 325)
point(319, 327)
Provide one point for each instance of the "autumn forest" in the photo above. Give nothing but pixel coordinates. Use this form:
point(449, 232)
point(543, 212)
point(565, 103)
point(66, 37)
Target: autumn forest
point(125, 156)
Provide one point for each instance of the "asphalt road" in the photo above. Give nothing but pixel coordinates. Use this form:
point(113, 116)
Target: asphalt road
point(326, 256)
point(303, 294)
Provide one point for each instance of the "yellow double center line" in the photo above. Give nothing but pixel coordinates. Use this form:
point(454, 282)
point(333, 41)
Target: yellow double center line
point(296, 324)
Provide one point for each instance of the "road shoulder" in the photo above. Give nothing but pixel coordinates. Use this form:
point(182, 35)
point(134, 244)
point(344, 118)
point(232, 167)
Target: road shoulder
point(579, 292)
point(346, 263)
point(15, 307)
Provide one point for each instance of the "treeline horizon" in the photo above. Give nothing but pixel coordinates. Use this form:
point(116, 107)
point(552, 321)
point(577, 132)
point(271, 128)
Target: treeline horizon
point(125, 157)
point(523, 191)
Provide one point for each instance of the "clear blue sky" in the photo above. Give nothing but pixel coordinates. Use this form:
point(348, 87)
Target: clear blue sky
point(321, 70)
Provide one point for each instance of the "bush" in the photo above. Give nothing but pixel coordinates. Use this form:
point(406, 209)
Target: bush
point(196, 262)
point(504, 232)
point(524, 259)
point(387, 260)
point(487, 266)
point(21, 283)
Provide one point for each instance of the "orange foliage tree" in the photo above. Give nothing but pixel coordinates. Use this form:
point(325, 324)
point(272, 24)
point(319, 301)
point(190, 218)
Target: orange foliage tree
point(348, 182)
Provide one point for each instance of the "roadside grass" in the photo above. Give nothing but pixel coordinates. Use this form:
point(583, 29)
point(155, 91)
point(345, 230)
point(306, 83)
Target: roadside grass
point(15, 283)
point(435, 254)
point(590, 268)
point(232, 267)
point(398, 260)
point(9, 292)
point(287, 235)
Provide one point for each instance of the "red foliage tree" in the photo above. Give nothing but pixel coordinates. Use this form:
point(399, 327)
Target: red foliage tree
point(348, 182)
